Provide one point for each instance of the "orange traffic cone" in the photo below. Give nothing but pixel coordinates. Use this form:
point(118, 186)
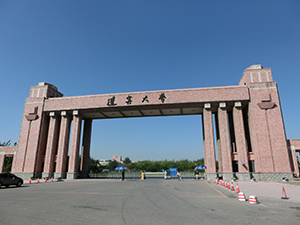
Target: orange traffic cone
point(38, 180)
point(51, 179)
point(237, 188)
point(284, 194)
point(45, 179)
point(29, 180)
point(232, 186)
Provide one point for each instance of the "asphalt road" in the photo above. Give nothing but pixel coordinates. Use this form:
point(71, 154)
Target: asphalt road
point(136, 202)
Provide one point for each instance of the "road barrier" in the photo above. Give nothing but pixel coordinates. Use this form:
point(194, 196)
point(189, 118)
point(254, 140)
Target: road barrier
point(253, 199)
point(242, 197)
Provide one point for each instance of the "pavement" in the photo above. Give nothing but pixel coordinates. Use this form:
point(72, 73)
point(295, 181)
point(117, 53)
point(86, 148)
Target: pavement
point(261, 189)
point(269, 190)
point(137, 202)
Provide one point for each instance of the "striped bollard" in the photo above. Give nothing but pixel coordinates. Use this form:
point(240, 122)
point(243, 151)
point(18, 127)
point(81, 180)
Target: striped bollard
point(242, 197)
point(253, 199)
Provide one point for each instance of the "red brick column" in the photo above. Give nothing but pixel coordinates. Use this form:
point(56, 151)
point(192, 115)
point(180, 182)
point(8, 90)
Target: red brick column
point(42, 145)
point(218, 141)
point(2, 161)
point(51, 145)
point(63, 144)
point(240, 138)
point(224, 138)
point(74, 148)
point(208, 140)
point(86, 144)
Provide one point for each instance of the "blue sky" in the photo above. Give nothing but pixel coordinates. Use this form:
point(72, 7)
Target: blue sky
point(99, 47)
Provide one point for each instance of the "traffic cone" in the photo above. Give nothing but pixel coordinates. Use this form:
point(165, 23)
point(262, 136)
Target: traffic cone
point(242, 197)
point(232, 186)
point(253, 199)
point(237, 188)
point(38, 180)
point(214, 180)
point(29, 180)
point(51, 179)
point(284, 194)
point(228, 185)
point(45, 179)
point(217, 182)
point(225, 184)
point(201, 178)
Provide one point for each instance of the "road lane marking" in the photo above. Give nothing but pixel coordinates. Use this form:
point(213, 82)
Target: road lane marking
point(217, 190)
point(74, 192)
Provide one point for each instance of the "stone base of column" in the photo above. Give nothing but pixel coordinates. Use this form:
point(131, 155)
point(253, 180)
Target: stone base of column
point(72, 176)
point(228, 176)
point(243, 176)
point(83, 174)
point(210, 176)
point(25, 176)
point(59, 175)
point(272, 176)
point(48, 175)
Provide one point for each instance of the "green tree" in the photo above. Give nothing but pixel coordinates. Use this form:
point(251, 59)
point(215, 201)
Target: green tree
point(5, 143)
point(94, 165)
point(157, 166)
point(8, 164)
point(112, 165)
point(127, 160)
point(8, 160)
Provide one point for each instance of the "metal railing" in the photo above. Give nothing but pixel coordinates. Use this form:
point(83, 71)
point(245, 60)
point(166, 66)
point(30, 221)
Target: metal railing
point(138, 175)
point(117, 175)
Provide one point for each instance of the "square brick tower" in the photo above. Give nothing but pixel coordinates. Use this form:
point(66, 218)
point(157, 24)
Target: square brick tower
point(266, 126)
point(34, 131)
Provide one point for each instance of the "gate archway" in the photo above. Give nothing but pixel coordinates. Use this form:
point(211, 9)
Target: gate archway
point(249, 126)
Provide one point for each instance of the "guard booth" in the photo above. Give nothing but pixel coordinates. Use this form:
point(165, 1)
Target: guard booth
point(173, 172)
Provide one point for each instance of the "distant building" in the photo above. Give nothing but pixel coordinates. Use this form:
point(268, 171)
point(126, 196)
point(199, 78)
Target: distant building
point(117, 158)
point(104, 162)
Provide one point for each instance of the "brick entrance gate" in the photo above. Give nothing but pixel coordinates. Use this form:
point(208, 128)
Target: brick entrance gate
point(250, 134)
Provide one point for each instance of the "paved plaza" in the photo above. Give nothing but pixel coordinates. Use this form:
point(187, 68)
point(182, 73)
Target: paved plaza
point(136, 202)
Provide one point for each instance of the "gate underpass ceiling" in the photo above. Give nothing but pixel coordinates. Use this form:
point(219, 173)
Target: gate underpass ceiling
point(158, 110)
point(122, 113)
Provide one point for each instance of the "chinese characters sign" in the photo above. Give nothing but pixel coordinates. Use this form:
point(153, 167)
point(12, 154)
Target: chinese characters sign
point(129, 99)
